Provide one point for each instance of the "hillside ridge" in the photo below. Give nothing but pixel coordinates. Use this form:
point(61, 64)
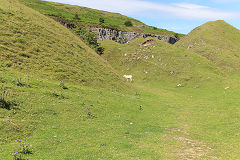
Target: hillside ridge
point(31, 42)
point(217, 41)
point(87, 17)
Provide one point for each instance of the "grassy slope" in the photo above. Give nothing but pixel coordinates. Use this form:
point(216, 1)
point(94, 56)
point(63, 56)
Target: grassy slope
point(200, 113)
point(218, 42)
point(30, 42)
point(158, 61)
point(175, 123)
point(90, 17)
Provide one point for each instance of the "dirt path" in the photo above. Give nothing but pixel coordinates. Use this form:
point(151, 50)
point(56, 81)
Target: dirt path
point(189, 149)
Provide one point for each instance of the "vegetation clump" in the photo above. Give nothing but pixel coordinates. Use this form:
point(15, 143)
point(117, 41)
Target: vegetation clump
point(24, 149)
point(101, 20)
point(17, 156)
point(4, 103)
point(128, 23)
point(90, 38)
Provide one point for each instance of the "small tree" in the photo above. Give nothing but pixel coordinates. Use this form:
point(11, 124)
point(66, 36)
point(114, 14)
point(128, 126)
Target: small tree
point(101, 20)
point(128, 23)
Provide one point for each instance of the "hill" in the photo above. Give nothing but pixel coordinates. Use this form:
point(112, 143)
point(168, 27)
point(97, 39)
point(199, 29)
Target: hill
point(94, 114)
point(90, 17)
point(32, 43)
point(152, 60)
point(218, 42)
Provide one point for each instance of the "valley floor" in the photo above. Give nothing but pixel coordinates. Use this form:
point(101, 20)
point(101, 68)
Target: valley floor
point(83, 123)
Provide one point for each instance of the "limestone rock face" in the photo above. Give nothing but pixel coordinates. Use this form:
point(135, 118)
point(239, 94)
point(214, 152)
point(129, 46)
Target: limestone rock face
point(125, 37)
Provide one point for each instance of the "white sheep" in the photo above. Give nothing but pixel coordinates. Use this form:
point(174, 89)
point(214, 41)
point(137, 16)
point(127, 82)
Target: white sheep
point(226, 88)
point(179, 85)
point(128, 77)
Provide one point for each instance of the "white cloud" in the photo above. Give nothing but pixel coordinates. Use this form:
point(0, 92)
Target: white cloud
point(141, 7)
point(190, 6)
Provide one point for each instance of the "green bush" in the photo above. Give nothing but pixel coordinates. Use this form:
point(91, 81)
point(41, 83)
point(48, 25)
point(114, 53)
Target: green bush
point(101, 20)
point(90, 38)
point(128, 23)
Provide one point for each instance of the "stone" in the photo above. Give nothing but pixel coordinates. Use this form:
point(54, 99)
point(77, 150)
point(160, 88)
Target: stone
point(125, 37)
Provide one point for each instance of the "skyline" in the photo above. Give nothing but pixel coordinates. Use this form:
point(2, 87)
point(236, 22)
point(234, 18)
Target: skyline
point(178, 16)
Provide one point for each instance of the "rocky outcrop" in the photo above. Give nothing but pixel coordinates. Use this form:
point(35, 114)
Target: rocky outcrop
point(125, 37)
point(116, 35)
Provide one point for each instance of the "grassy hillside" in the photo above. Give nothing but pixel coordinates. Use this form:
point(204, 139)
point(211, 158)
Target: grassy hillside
point(86, 123)
point(90, 17)
point(35, 44)
point(217, 41)
point(158, 61)
point(151, 119)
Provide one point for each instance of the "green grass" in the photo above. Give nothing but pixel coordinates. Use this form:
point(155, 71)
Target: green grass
point(207, 115)
point(158, 61)
point(90, 17)
point(31, 42)
point(174, 123)
point(218, 42)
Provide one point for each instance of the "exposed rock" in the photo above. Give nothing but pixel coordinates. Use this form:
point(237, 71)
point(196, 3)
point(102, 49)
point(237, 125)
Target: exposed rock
point(64, 22)
point(126, 37)
point(115, 35)
point(148, 42)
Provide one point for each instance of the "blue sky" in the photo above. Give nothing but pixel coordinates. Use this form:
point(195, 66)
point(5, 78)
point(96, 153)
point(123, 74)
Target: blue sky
point(177, 15)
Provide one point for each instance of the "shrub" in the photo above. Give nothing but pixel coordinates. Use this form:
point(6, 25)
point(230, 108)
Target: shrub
point(128, 23)
point(90, 38)
point(101, 20)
